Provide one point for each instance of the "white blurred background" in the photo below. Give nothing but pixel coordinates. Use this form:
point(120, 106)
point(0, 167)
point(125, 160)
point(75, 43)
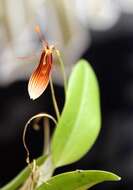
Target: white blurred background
point(65, 24)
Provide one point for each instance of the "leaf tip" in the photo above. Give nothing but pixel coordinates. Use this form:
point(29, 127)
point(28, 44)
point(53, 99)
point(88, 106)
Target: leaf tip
point(115, 177)
point(118, 178)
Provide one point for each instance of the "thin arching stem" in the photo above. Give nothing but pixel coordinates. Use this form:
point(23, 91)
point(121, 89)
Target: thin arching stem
point(25, 130)
point(54, 99)
point(62, 70)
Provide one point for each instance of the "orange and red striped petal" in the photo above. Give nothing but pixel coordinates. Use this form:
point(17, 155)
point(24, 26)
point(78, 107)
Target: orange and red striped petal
point(40, 78)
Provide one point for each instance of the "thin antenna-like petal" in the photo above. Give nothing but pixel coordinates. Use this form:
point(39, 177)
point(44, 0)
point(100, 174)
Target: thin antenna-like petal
point(40, 77)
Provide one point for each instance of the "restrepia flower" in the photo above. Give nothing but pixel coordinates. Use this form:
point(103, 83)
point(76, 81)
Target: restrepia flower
point(40, 77)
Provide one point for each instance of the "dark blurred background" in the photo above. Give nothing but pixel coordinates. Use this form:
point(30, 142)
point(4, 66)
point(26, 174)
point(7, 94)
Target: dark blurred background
point(101, 32)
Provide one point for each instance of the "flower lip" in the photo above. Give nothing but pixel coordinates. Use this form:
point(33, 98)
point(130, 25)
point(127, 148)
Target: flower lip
point(40, 77)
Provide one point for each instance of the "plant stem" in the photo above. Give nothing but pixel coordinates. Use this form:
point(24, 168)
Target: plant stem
point(62, 70)
point(54, 99)
point(46, 137)
point(25, 130)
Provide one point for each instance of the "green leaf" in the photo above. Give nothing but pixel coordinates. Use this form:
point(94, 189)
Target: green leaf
point(79, 124)
point(22, 176)
point(78, 180)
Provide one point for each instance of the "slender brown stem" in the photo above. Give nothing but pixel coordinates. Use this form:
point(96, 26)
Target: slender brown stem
point(46, 137)
point(25, 130)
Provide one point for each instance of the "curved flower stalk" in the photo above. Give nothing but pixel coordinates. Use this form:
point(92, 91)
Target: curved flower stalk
point(36, 173)
point(26, 126)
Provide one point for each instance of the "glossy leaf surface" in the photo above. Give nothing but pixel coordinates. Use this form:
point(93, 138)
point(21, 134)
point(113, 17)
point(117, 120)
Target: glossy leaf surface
point(79, 124)
point(78, 180)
